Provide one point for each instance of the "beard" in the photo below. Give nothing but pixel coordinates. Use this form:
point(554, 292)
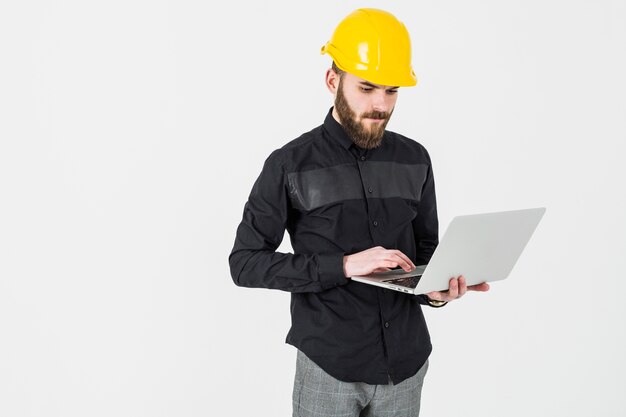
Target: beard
point(364, 137)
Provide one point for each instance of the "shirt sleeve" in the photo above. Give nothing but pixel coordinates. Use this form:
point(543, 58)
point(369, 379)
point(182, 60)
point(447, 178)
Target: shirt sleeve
point(254, 261)
point(426, 226)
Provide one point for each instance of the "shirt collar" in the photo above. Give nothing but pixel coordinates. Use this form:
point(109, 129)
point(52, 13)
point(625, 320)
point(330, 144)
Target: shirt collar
point(336, 130)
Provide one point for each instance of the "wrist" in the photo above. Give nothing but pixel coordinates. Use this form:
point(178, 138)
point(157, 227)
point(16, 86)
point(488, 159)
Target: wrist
point(435, 303)
point(345, 267)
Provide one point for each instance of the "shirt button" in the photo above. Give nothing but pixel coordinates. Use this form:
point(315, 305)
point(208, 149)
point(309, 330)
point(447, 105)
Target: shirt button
point(370, 189)
point(375, 223)
point(386, 324)
point(362, 158)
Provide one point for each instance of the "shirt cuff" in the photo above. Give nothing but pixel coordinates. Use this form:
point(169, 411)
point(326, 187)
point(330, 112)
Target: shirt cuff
point(330, 269)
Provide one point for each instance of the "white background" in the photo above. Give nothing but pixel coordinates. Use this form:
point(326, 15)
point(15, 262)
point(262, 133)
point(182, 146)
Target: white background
point(132, 132)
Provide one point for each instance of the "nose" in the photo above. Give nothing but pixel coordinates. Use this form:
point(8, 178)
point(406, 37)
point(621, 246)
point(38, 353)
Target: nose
point(381, 101)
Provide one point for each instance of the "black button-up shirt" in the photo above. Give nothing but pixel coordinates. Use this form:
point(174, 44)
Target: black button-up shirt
point(336, 199)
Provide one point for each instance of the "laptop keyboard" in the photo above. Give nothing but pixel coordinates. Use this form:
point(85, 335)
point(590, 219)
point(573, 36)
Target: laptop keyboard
point(409, 282)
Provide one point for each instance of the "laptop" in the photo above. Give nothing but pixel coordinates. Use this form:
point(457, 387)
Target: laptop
point(481, 247)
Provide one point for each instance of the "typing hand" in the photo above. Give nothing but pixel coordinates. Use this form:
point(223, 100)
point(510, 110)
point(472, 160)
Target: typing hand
point(376, 259)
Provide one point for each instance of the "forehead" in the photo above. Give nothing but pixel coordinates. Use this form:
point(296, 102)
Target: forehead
point(352, 79)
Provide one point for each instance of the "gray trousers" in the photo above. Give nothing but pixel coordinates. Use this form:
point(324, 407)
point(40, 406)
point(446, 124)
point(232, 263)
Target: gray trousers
point(315, 393)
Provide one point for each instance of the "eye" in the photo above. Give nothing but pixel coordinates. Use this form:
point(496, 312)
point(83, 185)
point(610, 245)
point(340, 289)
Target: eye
point(390, 92)
point(366, 89)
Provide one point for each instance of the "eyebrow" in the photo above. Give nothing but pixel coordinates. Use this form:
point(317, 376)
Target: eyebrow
point(368, 84)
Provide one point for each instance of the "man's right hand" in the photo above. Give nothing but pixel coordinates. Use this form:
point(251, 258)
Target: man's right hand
point(377, 259)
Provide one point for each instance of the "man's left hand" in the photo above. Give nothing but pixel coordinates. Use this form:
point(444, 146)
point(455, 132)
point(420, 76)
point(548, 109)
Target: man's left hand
point(457, 289)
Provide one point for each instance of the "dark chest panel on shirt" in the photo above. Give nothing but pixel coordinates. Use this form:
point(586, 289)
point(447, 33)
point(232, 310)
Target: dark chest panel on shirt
point(312, 189)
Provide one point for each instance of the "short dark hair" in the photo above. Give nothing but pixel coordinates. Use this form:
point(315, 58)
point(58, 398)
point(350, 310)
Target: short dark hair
point(337, 70)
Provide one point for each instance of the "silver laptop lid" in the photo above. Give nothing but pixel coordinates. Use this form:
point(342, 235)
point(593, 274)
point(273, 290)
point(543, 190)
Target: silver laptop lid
point(481, 247)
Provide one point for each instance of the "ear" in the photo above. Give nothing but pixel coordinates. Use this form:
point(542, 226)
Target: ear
point(332, 81)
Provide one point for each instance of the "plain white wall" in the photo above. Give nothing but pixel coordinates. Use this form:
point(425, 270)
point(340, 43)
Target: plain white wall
point(132, 131)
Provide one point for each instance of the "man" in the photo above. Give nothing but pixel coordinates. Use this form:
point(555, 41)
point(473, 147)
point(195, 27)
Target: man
point(355, 199)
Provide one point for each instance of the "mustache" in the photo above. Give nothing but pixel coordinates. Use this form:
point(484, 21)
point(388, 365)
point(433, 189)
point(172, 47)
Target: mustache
point(376, 115)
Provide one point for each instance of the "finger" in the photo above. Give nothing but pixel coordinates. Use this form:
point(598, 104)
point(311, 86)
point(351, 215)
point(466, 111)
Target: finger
point(407, 266)
point(453, 291)
point(405, 258)
point(382, 269)
point(462, 286)
point(392, 257)
point(479, 287)
point(386, 263)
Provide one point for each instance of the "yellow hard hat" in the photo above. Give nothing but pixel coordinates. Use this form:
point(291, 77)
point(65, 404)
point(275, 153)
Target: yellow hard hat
point(374, 45)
